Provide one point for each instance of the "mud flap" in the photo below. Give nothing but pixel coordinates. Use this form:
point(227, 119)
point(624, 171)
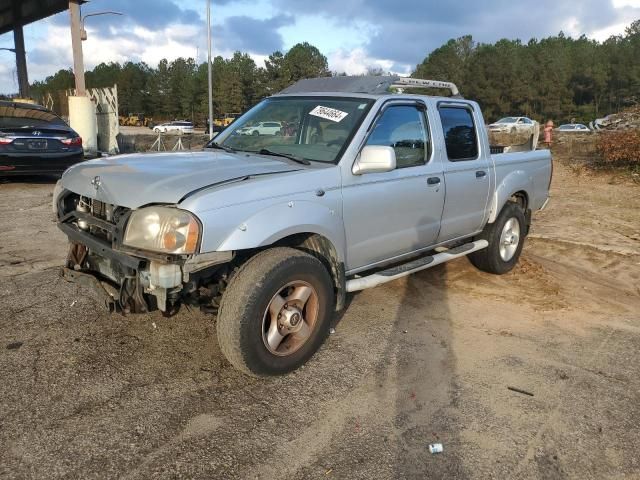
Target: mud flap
point(527, 221)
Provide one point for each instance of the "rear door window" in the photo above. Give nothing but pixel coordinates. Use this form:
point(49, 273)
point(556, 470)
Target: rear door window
point(460, 134)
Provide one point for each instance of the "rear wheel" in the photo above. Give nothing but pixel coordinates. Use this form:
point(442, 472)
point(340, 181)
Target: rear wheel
point(506, 238)
point(275, 312)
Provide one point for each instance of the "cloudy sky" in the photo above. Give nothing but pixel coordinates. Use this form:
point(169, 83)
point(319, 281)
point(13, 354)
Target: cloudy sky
point(353, 34)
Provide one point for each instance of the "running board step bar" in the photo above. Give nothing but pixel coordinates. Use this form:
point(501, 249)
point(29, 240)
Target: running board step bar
point(413, 266)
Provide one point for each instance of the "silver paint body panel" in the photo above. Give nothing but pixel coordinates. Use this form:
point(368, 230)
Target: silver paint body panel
point(248, 201)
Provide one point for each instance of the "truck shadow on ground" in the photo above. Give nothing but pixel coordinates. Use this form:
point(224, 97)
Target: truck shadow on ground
point(424, 379)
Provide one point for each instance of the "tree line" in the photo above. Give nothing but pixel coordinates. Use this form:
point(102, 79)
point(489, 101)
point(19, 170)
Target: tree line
point(557, 78)
point(178, 89)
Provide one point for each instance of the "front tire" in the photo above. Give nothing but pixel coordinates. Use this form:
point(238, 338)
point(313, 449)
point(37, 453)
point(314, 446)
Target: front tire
point(506, 238)
point(275, 312)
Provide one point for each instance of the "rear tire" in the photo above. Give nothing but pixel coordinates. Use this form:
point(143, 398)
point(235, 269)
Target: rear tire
point(275, 312)
point(506, 237)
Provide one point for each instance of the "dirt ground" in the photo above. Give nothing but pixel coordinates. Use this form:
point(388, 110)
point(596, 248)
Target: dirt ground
point(425, 359)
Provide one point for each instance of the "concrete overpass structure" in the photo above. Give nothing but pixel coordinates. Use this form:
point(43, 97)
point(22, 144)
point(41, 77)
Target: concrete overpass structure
point(14, 15)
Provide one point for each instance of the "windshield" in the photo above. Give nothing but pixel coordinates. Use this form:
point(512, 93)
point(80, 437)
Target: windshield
point(309, 128)
point(507, 120)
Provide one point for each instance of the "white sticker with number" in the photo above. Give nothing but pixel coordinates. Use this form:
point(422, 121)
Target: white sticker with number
point(328, 113)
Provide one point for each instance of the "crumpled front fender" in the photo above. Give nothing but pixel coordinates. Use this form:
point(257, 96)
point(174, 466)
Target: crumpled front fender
point(254, 229)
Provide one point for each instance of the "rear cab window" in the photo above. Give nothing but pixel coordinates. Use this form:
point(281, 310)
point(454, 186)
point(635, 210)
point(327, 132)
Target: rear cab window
point(460, 135)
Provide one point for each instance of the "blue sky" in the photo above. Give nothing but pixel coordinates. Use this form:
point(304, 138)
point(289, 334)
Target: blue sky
point(353, 34)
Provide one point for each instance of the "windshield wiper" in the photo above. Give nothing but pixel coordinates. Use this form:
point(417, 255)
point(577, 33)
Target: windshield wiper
point(303, 161)
point(221, 147)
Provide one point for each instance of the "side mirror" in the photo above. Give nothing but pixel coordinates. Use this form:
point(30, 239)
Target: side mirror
point(375, 159)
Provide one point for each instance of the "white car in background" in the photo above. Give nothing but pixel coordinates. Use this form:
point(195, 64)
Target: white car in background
point(182, 127)
point(573, 128)
point(513, 125)
point(262, 128)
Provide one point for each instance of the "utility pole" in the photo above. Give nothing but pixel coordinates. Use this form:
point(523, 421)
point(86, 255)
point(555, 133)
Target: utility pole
point(209, 67)
point(76, 44)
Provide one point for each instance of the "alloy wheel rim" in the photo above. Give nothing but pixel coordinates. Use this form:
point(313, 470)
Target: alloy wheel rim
point(290, 318)
point(509, 239)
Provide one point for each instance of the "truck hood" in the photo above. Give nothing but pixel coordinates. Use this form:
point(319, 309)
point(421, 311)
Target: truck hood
point(141, 179)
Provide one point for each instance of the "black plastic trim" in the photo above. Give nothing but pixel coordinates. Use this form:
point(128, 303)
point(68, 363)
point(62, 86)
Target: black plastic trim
point(99, 246)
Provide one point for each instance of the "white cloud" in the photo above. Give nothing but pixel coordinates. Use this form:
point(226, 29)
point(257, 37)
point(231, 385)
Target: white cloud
point(626, 3)
point(355, 62)
point(612, 30)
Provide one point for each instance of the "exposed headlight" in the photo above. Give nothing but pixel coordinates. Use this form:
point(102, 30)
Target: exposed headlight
point(162, 229)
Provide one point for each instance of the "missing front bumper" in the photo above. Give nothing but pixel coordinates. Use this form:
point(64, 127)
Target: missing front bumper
point(108, 293)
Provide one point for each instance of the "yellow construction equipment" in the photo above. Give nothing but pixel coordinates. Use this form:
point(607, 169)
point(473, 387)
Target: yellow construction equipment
point(225, 119)
point(135, 120)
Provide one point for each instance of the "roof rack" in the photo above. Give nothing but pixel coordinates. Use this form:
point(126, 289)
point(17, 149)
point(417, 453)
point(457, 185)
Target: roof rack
point(373, 85)
point(408, 82)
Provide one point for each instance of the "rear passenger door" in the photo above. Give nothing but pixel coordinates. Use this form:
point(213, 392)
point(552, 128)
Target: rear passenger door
point(466, 172)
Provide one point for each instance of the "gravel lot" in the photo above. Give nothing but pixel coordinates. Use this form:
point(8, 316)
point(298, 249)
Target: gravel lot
point(421, 360)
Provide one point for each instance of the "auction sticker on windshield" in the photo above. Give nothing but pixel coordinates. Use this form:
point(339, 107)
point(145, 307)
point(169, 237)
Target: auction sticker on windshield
point(328, 113)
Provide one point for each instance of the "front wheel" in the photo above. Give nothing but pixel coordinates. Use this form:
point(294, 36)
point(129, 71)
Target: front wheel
point(506, 238)
point(275, 312)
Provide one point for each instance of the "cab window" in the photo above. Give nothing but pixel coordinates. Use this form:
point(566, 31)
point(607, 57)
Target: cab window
point(402, 127)
point(459, 133)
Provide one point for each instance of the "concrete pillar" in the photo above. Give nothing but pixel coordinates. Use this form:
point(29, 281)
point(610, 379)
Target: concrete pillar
point(76, 45)
point(82, 118)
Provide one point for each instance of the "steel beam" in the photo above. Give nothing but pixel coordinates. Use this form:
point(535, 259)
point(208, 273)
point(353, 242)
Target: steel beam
point(21, 61)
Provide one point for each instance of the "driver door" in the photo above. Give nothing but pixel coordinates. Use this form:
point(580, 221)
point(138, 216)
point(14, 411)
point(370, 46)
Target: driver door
point(394, 213)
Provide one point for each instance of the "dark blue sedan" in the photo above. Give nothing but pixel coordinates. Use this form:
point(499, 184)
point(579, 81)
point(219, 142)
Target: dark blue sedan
point(34, 140)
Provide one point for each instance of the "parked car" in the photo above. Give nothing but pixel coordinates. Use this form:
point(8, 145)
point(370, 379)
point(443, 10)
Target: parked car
point(573, 128)
point(271, 233)
point(261, 128)
point(34, 140)
point(513, 125)
point(177, 126)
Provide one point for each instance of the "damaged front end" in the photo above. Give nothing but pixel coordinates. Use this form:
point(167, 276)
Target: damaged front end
point(111, 251)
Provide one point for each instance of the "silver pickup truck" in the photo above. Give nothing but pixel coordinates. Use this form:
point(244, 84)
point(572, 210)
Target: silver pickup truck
point(362, 184)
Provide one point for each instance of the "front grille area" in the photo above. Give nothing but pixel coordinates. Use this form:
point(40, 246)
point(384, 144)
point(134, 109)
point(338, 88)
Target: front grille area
point(102, 220)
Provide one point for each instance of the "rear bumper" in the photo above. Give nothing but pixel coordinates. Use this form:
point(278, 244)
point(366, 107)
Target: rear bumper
point(30, 164)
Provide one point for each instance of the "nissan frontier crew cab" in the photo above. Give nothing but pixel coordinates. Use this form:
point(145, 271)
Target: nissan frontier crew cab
point(363, 183)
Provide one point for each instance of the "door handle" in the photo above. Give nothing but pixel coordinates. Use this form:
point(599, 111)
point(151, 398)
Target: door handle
point(481, 173)
point(433, 180)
